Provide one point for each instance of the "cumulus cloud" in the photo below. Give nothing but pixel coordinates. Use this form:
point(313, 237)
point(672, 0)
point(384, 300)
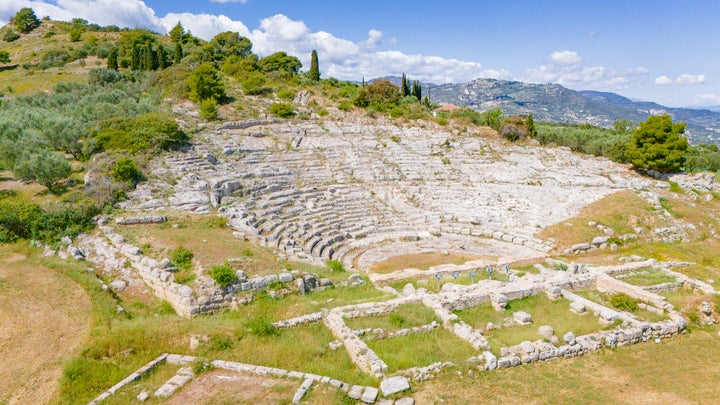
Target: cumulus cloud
point(203, 26)
point(681, 80)
point(339, 57)
point(663, 80)
point(565, 57)
point(123, 13)
point(566, 68)
point(690, 79)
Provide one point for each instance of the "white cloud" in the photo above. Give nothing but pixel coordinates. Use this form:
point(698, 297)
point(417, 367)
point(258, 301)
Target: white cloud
point(681, 80)
point(123, 13)
point(663, 81)
point(565, 57)
point(340, 58)
point(374, 39)
point(204, 26)
point(566, 69)
point(706, 100)
point(690, 79)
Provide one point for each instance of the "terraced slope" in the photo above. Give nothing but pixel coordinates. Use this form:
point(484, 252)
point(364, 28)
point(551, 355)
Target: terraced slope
point(334, 190)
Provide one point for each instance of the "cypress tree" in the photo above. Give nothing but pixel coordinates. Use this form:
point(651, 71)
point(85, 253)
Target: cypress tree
point(417, 90)
point(314, 72)
point(404, 88)
point(161, 59)
point(530, 126)
point(149, 57)
point(178, 53)
point(135, 58)
point(112, 61)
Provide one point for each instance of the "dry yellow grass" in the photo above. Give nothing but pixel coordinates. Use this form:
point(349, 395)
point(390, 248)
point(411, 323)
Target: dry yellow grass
point(210, 244)
point(421, 261)
point(621, 211)
point(43, 321)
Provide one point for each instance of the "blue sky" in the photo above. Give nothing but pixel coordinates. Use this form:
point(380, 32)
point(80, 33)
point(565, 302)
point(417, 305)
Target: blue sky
point(659, 50)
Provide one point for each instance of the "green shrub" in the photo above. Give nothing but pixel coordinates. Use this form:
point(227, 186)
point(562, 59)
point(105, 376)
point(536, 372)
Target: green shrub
point(125, 170)
point(11, 36)
point(282, 110)
point(322, 112)
point(623, 302)
point(254, 83)
point(21, 219)
point(151, 132)
point(223, 275)
point(220, 343)
point(181, 257)
point(103, 76)
point(286, 94)
point(208, 109)
point(335, 265)
point(345, 105)
point(200, 366)
point(205, 82)
point(75, 35)
point(260, 325)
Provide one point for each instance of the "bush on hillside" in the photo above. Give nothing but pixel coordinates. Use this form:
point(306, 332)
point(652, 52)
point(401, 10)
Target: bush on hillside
point(208, 109)
point(223, 275)
point(126, 171)
point(151, 132)
point(20, 219)
point(282, 110)
point(181, 257)
point(658, 145)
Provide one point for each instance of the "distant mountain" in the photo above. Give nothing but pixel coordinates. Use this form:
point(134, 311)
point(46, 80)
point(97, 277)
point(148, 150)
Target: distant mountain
point(555, 103)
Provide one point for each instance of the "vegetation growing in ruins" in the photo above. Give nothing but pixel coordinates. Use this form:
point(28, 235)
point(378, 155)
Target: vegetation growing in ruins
point(120, 111)
point(222, 274)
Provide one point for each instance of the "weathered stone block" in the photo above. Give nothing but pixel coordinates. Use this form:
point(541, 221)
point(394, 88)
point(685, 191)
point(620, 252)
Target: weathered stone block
point(394, 385)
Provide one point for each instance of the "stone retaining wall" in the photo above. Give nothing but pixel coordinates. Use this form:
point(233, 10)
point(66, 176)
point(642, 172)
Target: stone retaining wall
point(138, 374)
point(605, 283)
point(242, 124)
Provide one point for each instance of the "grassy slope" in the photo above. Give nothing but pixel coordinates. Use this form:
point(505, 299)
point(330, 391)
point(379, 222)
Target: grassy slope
point(29, 48)
point(35, 299)
point(117, 344)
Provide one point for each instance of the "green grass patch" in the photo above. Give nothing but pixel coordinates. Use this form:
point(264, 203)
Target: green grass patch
point(648, 276)
point(621, 304)
point(430, 283)
point(150, 382)
point(543, 311)
point(421, 349)
point(705, 253)
point(293, 305)
point(405, 316)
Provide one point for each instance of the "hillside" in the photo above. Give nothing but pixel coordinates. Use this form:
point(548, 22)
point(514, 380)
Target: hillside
point(555, 103)
point(213, 225)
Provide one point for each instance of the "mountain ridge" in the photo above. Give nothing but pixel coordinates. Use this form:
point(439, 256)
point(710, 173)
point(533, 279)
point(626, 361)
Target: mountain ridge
point(556, 103)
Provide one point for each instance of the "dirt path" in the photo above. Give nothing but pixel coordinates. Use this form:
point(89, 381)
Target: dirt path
point(44, 317)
